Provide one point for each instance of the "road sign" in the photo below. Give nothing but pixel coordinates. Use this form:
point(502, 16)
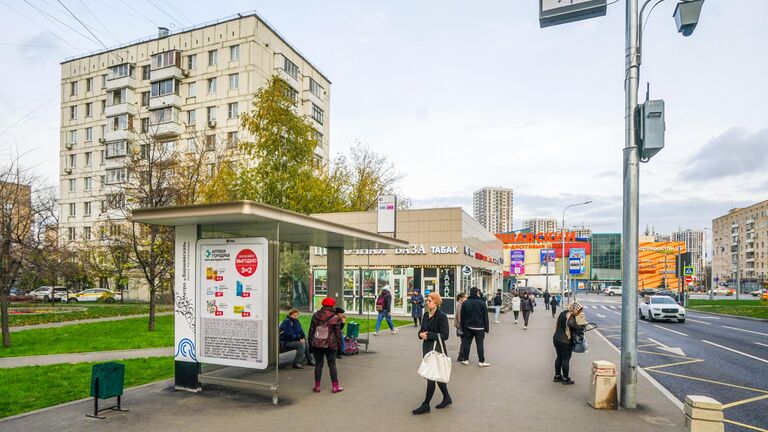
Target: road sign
point(466, 271)
point(689, 279)
point(689, 271)
point(554, 12)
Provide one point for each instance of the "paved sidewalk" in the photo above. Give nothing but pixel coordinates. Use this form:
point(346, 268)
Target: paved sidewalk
point(381, 389)
point(42, 360)
point(87, 321)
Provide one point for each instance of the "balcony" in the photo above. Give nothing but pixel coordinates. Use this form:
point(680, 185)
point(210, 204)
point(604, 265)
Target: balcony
point(308, 96)
point(120, 82)
point(166, 72)
point(166, 130)
point(120, 108)
point(165, 101)
point(118, 135)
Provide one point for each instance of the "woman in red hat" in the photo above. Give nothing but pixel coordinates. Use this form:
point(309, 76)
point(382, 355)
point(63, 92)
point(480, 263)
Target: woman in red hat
point(324, 337)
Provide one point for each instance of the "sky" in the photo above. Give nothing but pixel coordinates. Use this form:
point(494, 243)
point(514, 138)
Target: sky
point(461, 95)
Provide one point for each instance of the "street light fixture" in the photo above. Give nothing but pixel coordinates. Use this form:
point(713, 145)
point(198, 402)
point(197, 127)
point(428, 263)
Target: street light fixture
point(562, 254)
point(687, 16)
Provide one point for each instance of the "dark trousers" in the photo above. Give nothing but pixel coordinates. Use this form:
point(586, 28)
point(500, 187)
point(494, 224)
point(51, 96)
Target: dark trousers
point(431, 390)
point(417, 321)
point(517, 314)
point(526, 315)
point(320, 355)
point(554, 308)
point(466, 344)
point(563, 360)
point(546, 304)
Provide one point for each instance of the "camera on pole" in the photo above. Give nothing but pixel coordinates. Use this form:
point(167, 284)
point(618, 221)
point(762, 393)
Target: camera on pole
point(651, 128)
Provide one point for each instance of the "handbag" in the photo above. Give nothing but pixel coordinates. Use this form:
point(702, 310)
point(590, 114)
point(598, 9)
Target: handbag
point(580, 344)
point(435, 365)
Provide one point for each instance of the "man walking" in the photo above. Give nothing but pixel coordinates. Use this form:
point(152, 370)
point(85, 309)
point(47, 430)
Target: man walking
point(546, 296)
point(497, 306)
point(384, 306)
point(474, 324)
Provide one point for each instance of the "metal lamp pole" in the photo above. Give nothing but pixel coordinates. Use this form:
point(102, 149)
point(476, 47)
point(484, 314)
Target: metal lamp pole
point(562, 253)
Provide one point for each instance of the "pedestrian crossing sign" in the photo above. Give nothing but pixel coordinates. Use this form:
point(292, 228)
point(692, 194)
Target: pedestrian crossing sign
point(689, 270)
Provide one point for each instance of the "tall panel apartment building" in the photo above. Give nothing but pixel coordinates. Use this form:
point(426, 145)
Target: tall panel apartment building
point(541, 225)
point(695, 244)
point(740, 245)
point(493, 209)
point(171, 88)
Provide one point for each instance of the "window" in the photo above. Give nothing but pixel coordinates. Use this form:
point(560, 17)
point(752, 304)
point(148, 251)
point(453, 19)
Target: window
point(120, 71)
point(103, 158)
point(145, 72)
point(211, 114)
point(72, 185)
point(103, 106)
point(163, 115)
point(165, 59)
point(71, 234)
point(291, 94)
point(191, 117)
point(103, 230)
point(315, 88)
point(103, 131)
point(116, 175)
point(116, 149)
point(234, 53)
point(73, 88)
point(88, 134)
point(121, 122)
point(317, 113)
point(191, 90)
point(145, 125)
point(319, 138)
point(234, 81)
point(115, 201)
point(88, 158)
point(104, 81)
point(87, 230)
point(72, 210)
point(290, 68)
point(210, 142)
point(168, 147)
point(144, 99)
point(192, 62)
point(88, 85)
point(211, 85)
point(191, 145)
point(165, 87)
point(232, 110)
point(213, 58)
point(89, 109)
point(73, 112)
point(117, 97)
point(87, 208)
point(73, 161)
point(87, 183)
point(232, 139)
point(72, 139)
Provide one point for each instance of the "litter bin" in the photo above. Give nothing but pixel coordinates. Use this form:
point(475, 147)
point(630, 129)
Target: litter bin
point(353, 329)
point(602, 391)
point(107, 380)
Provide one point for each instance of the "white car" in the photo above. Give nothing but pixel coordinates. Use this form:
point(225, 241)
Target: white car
point(613, 290)
point(660, 307)
point(44, 293)
point(95, 294)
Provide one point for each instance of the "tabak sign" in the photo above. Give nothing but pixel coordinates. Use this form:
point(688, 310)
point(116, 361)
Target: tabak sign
point(540, 237)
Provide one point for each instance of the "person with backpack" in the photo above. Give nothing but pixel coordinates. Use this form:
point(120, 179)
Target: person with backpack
point(546, 296)
point(566, 329)
point(324, 337)
point(292, 338)
point(553, 303)
point(417, 307)
point(526, 305)
point(384, 306)
point(474, 325)
point(433, 333)
point(516, 306)
point(497, 306)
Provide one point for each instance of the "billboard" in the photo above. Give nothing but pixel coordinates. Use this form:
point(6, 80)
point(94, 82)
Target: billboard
point(386, 214)
point(517, 262)
point(547, 261)
point(576, 258)
point(656, 264)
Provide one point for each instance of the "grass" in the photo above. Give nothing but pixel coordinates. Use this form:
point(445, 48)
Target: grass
point(745, 308)
point(34, 387)
point(103, 336)
point(304, 319)
point(83, 311)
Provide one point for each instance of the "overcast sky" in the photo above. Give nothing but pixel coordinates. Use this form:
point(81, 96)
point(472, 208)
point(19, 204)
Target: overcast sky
point(462, 95)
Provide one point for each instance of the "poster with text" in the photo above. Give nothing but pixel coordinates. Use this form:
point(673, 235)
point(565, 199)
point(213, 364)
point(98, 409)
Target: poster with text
point(547, 261)
point(576, 259)
point(517, 262)
point(233, 293)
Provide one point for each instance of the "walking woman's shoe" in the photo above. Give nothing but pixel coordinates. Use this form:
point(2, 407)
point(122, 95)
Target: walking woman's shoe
point(316, 388)
point(446, 401)
point(423, 409)
point(336, 388)
point(557, 378)
point(568, 381)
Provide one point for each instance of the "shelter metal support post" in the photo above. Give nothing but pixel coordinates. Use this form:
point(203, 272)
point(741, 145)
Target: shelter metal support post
point(336, 274)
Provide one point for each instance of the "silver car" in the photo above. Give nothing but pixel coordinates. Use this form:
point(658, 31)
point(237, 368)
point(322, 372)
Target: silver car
point(44, 293)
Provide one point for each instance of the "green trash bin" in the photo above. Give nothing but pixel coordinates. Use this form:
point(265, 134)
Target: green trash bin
point(353, 329)
point(107, 381)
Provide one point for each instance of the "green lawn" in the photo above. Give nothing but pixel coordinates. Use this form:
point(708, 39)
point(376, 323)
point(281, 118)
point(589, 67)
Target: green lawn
point(82, 311)
point(34, 387)
point(305, 318)
point(746, 308)
point(103, 336)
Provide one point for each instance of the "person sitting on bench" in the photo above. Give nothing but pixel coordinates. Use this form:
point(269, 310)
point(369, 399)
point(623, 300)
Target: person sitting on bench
point(292, 338)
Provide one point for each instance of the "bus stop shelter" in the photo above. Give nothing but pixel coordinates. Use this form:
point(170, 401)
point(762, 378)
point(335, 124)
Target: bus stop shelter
point(226, 285)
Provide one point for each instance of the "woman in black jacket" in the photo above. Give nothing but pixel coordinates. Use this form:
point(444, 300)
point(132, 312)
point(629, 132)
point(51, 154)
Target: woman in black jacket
point(526, 304)
point(565, 330)
point(434, 323)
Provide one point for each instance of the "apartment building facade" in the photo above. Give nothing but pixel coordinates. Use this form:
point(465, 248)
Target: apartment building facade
point(740, 246)
point(172, 88)
point(695, 244)
point(493, 208)
point(540, 225)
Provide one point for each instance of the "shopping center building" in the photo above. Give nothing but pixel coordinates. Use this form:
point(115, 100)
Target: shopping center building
point(449, 252)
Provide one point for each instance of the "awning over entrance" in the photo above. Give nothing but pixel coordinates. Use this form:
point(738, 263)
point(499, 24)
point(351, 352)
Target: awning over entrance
point(250, 216)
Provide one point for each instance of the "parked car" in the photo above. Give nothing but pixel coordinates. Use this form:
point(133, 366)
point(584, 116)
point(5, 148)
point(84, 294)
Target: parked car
point(724, 291)
point(17, 295)
point(94, 295)
point(660, 307)
point(613, 290)
point(759, 292)
point(648, 292)
point(45, 293)
point(764, 296)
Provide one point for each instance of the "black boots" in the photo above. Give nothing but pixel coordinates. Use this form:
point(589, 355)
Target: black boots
point(446, 401)
point(423, 409)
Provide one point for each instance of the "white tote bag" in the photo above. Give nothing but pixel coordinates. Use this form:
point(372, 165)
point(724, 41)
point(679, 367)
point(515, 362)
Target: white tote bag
point(436, 366)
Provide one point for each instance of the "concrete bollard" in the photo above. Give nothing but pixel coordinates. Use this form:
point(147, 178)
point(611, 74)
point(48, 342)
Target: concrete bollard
point(703, 414)
point(602, 391)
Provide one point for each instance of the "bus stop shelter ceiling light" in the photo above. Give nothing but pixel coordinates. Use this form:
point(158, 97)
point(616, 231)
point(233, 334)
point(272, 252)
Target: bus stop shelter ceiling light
point(687, 16)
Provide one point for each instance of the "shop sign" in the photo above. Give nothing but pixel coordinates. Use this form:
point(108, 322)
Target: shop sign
point(540, 237)
point(386, 214)
point(466, 271)
point(477, 255)
point(410, 250)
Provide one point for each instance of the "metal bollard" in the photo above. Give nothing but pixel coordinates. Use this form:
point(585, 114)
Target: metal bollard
point(602, 391)
point(703, 414)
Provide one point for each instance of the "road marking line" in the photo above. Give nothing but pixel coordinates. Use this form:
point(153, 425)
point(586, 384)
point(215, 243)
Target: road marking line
point(670, 330)
point(703, 322)
point(677, 364)
point(745, 401)
point(746, 331)
point(617, 313)
point(663, 355)
point(677, 351)
point(737, 352)
point(601, 316)
point(604, 307)
point(710, 381)
point(761, 344)
point(745, 426)
point(705, 317)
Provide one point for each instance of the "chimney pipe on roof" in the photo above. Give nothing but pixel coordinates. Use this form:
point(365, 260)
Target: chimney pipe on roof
point(162, 31)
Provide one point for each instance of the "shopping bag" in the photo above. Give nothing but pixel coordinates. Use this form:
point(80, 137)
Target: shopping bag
point(436, 366)
point(580, 344)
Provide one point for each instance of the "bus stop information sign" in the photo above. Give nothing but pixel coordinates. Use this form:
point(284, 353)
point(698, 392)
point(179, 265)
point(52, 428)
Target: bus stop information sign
point(233, 297)
point(554, 12)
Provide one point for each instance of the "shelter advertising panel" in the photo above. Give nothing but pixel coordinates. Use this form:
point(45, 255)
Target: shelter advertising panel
point(233, 292)
point(576, 261)
point(547, 261)
point(517, 260)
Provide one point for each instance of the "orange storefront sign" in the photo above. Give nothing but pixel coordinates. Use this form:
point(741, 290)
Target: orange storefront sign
point(656, 264)
point(541, 237)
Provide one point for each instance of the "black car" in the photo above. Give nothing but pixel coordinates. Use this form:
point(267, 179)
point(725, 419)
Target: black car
point(669, 293)
point(648, 292)
point(530, 290)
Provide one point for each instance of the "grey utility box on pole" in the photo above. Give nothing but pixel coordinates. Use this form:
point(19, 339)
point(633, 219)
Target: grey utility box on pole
point(651, 128)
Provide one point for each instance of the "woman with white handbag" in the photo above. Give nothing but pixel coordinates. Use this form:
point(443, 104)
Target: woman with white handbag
point(436, 365)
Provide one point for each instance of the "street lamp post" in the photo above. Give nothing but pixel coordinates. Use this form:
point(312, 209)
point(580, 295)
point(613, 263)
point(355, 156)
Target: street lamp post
point(562, 254)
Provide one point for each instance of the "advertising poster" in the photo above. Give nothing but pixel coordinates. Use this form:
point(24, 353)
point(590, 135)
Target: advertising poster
point(547, 261)
point(232, 280)
point(517, 262)
point(576, 260)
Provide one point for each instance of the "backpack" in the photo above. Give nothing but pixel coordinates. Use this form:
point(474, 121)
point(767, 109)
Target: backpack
point(380, 303)
point(322, 336)
point(350, 346)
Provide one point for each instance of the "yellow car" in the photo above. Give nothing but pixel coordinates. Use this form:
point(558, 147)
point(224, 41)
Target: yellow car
point(764, 296)
point(94, 295)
